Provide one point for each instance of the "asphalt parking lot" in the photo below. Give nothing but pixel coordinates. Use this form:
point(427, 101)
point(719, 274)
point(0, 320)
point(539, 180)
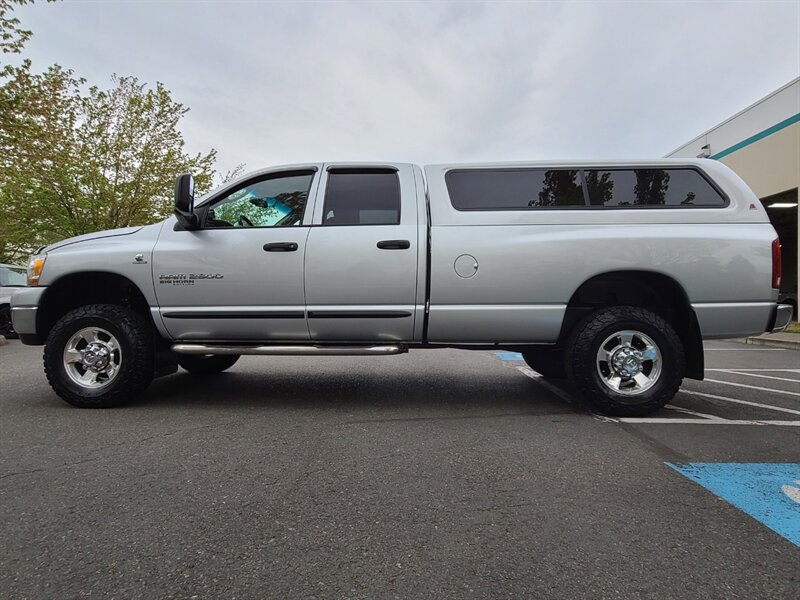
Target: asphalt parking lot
point(438, 474)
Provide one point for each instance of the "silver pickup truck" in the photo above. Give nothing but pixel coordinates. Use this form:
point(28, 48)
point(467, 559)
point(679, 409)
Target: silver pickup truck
point(610, 274)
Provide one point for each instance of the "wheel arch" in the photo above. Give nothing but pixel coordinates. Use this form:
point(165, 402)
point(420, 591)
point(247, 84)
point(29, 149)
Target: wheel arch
point(652, 290)
point(88, 287)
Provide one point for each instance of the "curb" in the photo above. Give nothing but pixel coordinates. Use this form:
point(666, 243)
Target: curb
point(766, 341)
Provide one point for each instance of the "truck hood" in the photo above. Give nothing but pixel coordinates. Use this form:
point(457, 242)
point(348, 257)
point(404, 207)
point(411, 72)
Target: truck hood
point(92, 236)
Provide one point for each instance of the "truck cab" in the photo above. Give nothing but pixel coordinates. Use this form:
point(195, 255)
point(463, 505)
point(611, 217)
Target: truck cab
point(310, 253)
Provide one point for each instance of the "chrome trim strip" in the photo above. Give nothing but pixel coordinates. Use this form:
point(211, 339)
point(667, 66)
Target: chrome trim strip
point(202, 349)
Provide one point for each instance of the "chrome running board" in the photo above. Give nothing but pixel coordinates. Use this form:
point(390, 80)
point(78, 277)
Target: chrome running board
point(203, 349)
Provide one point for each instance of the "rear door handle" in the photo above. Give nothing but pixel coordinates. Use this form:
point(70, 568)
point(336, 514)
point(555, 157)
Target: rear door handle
point(281, 247)
point(394, 245)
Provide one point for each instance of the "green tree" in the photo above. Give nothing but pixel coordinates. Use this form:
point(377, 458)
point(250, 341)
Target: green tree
point(75, 160)
point(12, 36)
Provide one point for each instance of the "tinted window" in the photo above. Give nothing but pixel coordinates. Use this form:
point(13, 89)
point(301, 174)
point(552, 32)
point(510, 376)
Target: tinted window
point(13, 277)
point(518, 189)
point(277, 201)
point(650, 187)
point(362, 197)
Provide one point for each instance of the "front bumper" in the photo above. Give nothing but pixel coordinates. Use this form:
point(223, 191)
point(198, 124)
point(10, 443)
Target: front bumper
point(781, 318)
point(24, 318)
point(24, 307)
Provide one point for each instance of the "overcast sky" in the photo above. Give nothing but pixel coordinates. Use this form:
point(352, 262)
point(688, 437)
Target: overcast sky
point(271, 83)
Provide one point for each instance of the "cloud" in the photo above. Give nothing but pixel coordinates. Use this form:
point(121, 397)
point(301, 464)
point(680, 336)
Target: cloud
point(271, 83)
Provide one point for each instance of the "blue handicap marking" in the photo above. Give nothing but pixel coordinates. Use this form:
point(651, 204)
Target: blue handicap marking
point(770, 493)
point(509, 355)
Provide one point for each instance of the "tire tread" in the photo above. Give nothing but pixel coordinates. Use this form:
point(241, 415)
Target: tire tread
point(580, 362)
point(137, 368)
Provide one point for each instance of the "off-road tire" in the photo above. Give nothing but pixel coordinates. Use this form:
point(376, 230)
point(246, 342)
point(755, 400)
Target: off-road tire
point(207, 365)
point(135, 336)
point(548, 362)
point(6, 326)
point(585, 341)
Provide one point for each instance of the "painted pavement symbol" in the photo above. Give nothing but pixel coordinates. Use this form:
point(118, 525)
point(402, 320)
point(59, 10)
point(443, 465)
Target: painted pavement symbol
point(768, 492)
point(509, 355)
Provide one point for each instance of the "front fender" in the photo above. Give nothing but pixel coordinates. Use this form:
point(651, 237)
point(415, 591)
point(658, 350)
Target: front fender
point(24, 310)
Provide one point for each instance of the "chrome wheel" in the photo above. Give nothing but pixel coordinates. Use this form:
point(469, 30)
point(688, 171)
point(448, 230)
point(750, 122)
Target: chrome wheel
point(92, 357)
point(629, 362)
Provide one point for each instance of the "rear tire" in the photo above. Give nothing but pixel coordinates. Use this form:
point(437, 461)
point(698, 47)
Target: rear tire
point(99, 356)
point(626, 361)
point(207, 365)
point(548, 362)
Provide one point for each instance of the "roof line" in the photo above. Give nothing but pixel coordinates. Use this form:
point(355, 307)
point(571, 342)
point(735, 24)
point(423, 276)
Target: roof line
point(734, 116)
point(758, 136)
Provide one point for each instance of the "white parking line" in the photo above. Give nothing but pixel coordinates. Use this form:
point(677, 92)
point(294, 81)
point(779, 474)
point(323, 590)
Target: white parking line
point(702, 418)
point(546, 384)
point(734, 372)
point(658, 421)
point(707, 419)
point(746, 349)
point(745, 402)
point(754, 387)
point(781, 370)
point(693, 412)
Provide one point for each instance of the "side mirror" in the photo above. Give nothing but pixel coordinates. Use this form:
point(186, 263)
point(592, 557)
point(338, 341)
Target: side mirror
point(184, 201)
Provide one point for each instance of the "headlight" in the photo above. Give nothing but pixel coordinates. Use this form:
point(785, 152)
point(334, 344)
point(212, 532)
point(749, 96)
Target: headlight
point(35, 266)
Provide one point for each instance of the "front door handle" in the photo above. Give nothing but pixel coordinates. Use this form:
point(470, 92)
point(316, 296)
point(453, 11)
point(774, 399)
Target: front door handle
point(281, 247)
point(394, 245)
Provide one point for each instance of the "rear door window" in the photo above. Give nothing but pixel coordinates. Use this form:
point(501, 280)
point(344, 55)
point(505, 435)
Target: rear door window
point(362, 197)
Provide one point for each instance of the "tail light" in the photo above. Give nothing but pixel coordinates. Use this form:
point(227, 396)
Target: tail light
point(776, 263)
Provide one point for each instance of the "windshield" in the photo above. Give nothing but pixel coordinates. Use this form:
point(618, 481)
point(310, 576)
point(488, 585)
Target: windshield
point(12, 276)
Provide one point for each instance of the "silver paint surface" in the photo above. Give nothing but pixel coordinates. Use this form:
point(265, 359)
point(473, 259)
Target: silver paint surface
point(530, 264)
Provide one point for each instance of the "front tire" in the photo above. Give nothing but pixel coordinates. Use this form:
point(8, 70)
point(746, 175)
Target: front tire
point(207, 365)
point(626, 361)
point(99, 356)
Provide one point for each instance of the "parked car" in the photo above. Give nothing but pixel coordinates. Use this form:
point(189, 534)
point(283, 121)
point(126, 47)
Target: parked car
point(609, 273)
point(12, 280)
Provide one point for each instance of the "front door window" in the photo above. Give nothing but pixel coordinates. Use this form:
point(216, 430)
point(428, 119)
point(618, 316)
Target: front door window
point(274, 201)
